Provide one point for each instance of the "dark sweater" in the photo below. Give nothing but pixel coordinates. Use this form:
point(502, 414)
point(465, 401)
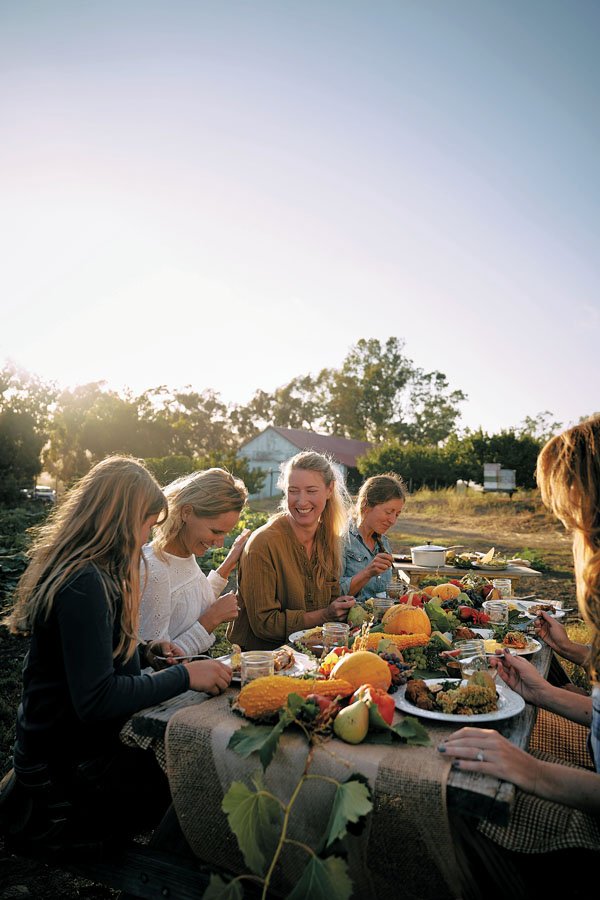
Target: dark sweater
point(76, 697)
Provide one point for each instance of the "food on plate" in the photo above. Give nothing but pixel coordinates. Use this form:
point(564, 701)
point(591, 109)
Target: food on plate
point(236, 659)
point(517, 561)
point(283, 658)
point(463, 633)
point(312, 639)
point(419, 694)
point(515, 639)
point(476, 697)
point(543, 607)
point(266, 696)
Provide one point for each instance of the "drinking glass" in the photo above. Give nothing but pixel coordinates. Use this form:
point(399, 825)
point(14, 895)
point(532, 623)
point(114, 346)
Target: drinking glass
point(380, 605)
point(504, 586)
point(335, 634)
point(497, 610)
point(256, 664)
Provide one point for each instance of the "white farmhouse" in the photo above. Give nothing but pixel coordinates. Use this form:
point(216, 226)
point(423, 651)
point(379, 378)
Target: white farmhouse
point(275, 445)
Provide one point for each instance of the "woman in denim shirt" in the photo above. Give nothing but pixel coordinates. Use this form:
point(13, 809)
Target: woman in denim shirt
point(368, 556)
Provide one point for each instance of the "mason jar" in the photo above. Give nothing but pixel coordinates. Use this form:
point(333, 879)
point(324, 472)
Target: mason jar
point(335, 634)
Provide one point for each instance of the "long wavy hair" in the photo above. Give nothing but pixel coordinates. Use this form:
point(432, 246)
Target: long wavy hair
point(210, 493)
point(376, 490)
point(333, 524)
point(568, 474)
point(99, 523)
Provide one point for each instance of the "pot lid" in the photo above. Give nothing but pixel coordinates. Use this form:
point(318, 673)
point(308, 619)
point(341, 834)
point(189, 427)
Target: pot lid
point(425, 547)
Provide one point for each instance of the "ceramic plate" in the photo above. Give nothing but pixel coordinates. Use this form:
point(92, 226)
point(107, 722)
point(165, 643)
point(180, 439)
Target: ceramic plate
point(526, 605)
point(533, 646)
point(302, 664)
point(509, 704)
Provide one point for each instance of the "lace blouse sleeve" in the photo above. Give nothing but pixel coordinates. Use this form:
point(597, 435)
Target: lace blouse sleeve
point(155, 610)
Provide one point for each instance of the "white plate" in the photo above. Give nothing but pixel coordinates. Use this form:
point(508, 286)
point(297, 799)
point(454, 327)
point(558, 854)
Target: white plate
point(298, 635)
point(509, 705)
point(525, 606)
point(533, 646)
point(302, 664)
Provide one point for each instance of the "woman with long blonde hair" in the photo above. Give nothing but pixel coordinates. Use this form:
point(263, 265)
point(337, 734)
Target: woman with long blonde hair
point(558, 805)
point(179, 602)
point(79, 602)
point(290, 569)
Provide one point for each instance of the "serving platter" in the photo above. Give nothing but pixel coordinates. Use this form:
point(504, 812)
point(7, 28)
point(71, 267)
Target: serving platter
point(302, 663)
point(509, 704)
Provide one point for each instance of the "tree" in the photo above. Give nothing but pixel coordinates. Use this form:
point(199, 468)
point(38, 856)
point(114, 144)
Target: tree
point(511, 450)
point(168, 468)
point(541, 427)
point(25, 402)
point(432, 409)
point(20, 449)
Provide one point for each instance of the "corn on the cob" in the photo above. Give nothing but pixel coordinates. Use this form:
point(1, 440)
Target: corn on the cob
point(264, 696)
point(402, 641)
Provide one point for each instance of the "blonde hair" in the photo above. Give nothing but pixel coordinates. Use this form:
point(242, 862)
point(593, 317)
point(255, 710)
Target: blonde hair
point(379, 489)
point(333, 524)
point(99, 523)
point(568, 474)
point(210, 493)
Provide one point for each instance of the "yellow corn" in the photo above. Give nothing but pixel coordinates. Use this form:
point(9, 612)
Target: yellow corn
point(402, 641)
point(264, 696)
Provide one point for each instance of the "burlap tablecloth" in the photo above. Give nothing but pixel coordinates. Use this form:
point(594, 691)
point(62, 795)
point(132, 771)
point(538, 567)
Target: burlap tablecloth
point(406, 847)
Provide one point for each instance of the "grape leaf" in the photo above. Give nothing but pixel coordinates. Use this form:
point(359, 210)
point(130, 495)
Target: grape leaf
point(352, 800)
point(256, 819)
point(323, 879)
point(412, 731)
point(222, 890)
point(262, 739)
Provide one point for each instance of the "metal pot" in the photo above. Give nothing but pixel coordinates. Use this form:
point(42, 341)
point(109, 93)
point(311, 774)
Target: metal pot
point(428, 555)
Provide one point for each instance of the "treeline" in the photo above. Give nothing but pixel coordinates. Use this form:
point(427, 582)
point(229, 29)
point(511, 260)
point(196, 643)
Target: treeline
point(458, 458)
point(377, 394)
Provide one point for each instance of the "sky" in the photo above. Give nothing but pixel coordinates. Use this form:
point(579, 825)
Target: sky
point(230, 194)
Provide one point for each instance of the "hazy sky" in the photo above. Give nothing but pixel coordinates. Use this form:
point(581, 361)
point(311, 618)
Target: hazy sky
point(228, 194)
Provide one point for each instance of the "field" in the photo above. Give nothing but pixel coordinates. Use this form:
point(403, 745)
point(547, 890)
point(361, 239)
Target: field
point(518, 527)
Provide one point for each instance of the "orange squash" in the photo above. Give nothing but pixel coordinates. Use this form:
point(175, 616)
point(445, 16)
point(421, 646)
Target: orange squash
point(446, 591)
point(404, 619)
point(363, 667)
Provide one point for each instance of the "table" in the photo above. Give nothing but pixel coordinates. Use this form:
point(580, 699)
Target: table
point(418, 573)
point(469, 793)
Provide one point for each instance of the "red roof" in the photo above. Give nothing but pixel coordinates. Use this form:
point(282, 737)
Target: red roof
point(342, 450)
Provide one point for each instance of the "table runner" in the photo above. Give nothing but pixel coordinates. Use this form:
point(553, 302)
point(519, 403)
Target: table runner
point(406, 847)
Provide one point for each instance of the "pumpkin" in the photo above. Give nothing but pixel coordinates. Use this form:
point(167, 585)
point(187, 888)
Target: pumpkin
point(446, 591)
point(363, 667)
point(406, 619)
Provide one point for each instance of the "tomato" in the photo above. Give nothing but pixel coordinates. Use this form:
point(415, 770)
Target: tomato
point(375, 697)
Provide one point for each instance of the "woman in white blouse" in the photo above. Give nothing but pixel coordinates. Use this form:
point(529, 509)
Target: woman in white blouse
point(179, 603)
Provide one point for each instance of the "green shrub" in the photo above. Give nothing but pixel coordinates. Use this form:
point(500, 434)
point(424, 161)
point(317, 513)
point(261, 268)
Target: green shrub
point(535, 558)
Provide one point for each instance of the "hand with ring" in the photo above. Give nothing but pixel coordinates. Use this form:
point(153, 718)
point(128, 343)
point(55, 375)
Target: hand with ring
point(488, 752)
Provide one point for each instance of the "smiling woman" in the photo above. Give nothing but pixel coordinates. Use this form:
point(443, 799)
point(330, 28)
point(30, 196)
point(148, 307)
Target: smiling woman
point(290, 569)
point(179, 603)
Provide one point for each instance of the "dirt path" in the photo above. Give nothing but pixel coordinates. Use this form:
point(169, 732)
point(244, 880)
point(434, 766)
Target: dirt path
point(474, 534)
